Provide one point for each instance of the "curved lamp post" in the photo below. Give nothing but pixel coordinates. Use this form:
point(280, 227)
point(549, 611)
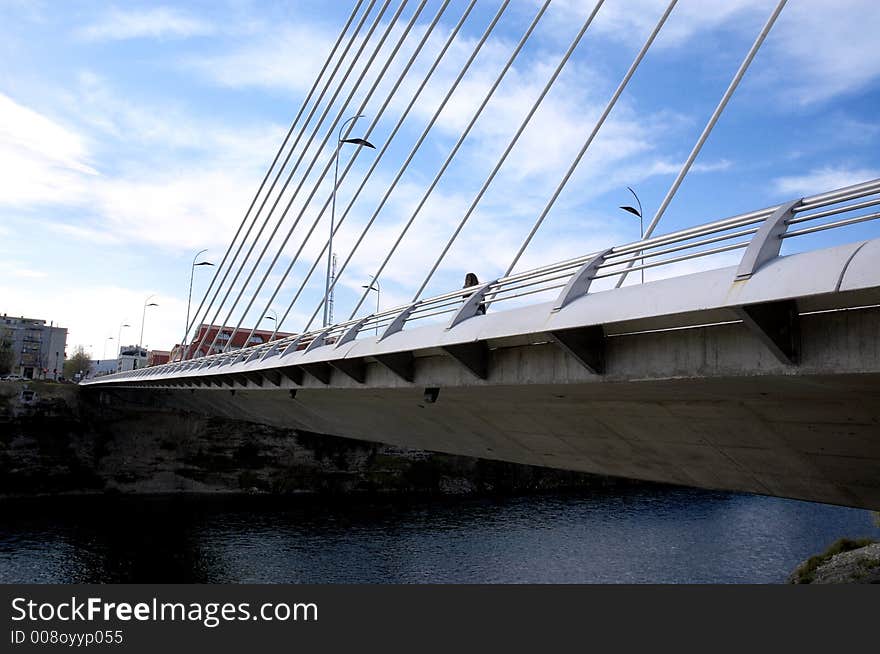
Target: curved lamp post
point(638, 213)
point(374, 286)
point(189, 298)
point(147, 303)
point(274, 319)
point(339, 142)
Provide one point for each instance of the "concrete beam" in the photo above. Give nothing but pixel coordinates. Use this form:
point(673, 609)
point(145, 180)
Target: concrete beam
point(354, 368)
point(293, 373)
point(777, 325)
point(240, 379)
point(320, 371)
point(587, 345)
point(473, 356)
point(225, 379)
point(401, 364)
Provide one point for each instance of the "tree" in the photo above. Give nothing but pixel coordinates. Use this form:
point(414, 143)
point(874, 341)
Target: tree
point(6, 357)
point(79, 362)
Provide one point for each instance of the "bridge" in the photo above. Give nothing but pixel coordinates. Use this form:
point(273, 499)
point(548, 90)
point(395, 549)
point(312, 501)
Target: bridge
point(761, 377)
point(753, 370)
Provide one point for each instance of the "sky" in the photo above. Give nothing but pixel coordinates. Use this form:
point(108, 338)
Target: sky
point(135, 134)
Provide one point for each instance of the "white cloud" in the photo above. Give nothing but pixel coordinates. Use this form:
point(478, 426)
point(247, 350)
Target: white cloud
point(824, 179)
point(175, 209)
point(286, 58)
point(94, 312)
point(175, 200)
point(622, 20)
point(673, 167)
point(816, 51)
point(13, 268)
point(826, 48)
point(173, 177)
point(155, 22)
point(40, 160)
point(28, 273)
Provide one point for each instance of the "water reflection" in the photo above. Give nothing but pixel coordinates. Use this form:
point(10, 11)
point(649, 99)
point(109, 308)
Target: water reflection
point(633, 534)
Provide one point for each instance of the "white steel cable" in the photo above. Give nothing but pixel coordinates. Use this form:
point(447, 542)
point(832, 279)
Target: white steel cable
point(620, 88)
point(317, 183)
point(452, 153)
point(324, 114)
point(305, 103)
point(744, 66)
point(412, 153)
point(383, 150)
point(510, 146)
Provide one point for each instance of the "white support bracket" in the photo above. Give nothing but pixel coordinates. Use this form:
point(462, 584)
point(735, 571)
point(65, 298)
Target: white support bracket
point(579, 284)
point(253, 355)
point(767, 241)
point(319, 341)
point(291, 347)
point(471, 306)
point(399, 321)
point(272, 351)
point(352, 332)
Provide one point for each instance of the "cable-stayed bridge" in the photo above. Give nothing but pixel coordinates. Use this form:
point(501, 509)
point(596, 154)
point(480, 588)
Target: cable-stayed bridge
point(762, 376)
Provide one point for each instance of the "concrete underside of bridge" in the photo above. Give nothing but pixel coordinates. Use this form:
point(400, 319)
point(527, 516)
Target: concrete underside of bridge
point(709, 407)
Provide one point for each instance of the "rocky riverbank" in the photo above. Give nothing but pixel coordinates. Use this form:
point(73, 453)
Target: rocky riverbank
point(55, 439)
point(845, 562)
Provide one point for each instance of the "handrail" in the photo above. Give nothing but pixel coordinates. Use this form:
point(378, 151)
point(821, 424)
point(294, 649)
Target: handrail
point(683, 245)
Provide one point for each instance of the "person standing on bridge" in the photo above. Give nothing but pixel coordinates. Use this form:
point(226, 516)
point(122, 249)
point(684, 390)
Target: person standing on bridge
point(471, 280)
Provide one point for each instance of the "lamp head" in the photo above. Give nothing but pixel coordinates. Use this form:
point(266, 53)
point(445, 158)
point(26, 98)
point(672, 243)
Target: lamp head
point(361, 142)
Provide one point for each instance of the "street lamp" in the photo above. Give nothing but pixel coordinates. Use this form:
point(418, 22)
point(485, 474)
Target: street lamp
point(637, 212)
point(109, 338)
point(273, 318)
point(374, 286)
point(339, 141)
point(147, 303)
point(189, 297)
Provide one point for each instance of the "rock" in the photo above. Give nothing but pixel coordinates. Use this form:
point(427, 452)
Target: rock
point(64, 441)
point(849, 564)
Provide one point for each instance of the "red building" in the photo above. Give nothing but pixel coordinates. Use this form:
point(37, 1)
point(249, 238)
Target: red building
point(207, 333)
point(158, 357)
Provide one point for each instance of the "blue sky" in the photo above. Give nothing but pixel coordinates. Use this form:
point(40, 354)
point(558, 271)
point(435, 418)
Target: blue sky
point(133, 134)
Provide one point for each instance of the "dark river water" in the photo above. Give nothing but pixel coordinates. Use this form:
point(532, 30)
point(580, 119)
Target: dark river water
point(634, 534)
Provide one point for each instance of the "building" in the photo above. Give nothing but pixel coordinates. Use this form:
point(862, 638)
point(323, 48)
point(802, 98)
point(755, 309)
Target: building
point(101, 367)
point(35, 350)
point(158, 357)
point(206, 334)
point(131, 357)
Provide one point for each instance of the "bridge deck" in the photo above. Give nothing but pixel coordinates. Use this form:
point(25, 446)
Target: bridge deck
point(761, 377)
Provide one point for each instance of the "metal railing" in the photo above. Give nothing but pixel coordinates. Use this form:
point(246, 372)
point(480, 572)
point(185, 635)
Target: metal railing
point(761, 233)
